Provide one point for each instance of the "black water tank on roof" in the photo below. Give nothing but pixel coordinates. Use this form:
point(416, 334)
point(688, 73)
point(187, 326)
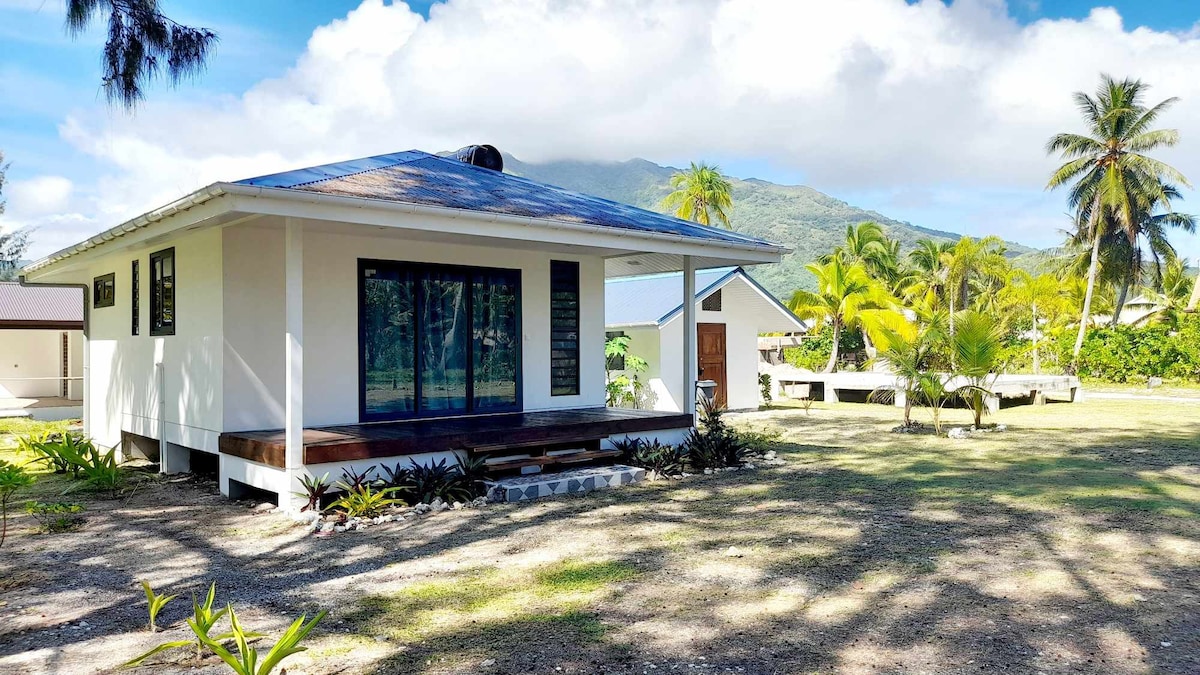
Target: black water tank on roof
point(486, 156)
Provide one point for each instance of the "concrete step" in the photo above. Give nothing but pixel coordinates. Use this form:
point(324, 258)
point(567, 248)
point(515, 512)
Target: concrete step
point(572, 481)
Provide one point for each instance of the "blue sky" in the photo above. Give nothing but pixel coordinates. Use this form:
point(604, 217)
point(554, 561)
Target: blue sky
point(77, 166)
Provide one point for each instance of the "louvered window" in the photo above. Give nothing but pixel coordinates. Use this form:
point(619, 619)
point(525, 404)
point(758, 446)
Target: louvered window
point(564, 328)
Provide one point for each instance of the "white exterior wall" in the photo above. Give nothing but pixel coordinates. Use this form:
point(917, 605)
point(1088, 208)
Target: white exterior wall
point(128, 373)
point(254, 321)
point(36, 354)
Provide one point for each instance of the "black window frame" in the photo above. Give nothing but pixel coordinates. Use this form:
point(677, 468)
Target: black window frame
point(157, 327)
point(417, 268)
point(101, 298)
point(567, 270)
point(135, 327)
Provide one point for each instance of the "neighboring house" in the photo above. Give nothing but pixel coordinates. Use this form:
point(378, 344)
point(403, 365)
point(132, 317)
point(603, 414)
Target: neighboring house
point(404, 306)
point(731, 309)
point(1137, 312)
point(41, 351)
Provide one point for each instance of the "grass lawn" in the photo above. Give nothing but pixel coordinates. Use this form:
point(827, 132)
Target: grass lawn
point(1069, 543)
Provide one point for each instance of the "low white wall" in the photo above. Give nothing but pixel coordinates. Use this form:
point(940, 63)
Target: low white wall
point(32, 354)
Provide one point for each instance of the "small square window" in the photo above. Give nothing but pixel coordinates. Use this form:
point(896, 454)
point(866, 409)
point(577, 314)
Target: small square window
point(104, 290)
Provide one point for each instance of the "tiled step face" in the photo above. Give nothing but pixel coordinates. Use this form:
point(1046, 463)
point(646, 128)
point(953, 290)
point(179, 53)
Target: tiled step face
point(525, 488)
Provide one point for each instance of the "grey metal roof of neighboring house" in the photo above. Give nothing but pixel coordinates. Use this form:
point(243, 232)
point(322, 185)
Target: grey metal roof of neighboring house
point(417, 177)
point(652, 299)
point(40, 306)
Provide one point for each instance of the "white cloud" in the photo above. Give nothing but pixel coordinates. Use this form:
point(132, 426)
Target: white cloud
point(40, 196)
point(862, 95)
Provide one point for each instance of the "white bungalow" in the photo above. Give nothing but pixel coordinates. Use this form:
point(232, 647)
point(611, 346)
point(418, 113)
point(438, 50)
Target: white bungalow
point(444, 307)
point(731, 310)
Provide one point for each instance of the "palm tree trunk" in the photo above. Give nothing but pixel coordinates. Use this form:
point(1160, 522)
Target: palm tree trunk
point(833, 353)
point(1195, 301)
point(1037, 361)
point(1116, 317)
point(1087, 299)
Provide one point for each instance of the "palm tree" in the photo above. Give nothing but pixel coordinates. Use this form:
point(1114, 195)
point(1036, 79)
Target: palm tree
point(701, 194)
point(1146, 244)
point(929, 274)
point(909, 359)
point(970, 261)
point(976, 345)
point(867, 243)
point(141, 40)
point(1173, 293)
point(847, 298)
point(1109, 170)
point(1042, 296)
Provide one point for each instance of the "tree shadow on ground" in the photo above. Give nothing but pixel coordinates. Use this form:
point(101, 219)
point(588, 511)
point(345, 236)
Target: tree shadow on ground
point(849, 557)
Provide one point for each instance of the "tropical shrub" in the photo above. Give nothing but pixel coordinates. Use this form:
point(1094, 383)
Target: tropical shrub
point(365, 501)
point(813, 352)
point(1133, 354)
point(314, 490)
point(353, 480)
point(437, 480)
point(764, 388)
point(714, 445)
point(56, 516)
point(472, 470)
point(12, 479)
point(665, 460)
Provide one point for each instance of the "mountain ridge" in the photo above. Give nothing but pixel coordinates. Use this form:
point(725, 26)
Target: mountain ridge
point(800, 217)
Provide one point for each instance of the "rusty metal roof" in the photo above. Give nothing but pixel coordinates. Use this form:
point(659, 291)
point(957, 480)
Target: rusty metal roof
point(54, 307)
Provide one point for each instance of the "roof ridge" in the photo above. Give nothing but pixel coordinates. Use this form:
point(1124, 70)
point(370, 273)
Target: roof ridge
point(374, 168)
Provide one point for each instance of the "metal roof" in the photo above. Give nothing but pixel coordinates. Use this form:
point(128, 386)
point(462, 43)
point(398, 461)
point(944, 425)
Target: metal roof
point(655, 299)
point(40, 306)
point(652, 299)
point(416, 177)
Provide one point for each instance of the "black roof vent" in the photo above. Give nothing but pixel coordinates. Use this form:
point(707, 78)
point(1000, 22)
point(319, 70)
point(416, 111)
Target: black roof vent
point(486, 156)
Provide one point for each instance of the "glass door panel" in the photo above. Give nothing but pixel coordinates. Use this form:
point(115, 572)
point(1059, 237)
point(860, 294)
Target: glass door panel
point(444, 340)
point(495, 344)
point(389, 343)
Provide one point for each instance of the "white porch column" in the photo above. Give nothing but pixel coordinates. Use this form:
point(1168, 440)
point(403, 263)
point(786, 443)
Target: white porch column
point(294, 355)
point(689, 335)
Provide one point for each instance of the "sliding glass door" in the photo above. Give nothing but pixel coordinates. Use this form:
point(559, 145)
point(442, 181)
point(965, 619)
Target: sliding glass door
point(437, 340)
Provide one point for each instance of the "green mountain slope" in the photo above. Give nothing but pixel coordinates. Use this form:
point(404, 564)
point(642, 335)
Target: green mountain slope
point(809, 222)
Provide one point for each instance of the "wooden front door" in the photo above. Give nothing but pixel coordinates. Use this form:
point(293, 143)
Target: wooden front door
point(710, 344)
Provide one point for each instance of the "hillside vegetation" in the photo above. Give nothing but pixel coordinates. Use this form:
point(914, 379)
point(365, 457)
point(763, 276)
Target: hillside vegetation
point(809, 222)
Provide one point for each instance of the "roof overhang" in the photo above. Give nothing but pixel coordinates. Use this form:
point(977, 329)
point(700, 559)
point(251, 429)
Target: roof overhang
point(9, 324)
point(222, 204)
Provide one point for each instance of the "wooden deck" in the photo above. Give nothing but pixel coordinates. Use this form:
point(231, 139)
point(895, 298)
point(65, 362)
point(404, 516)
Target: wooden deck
point(392, 439)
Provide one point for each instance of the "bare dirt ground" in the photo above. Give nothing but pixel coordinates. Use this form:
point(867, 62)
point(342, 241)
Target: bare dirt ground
point(1068, 544)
